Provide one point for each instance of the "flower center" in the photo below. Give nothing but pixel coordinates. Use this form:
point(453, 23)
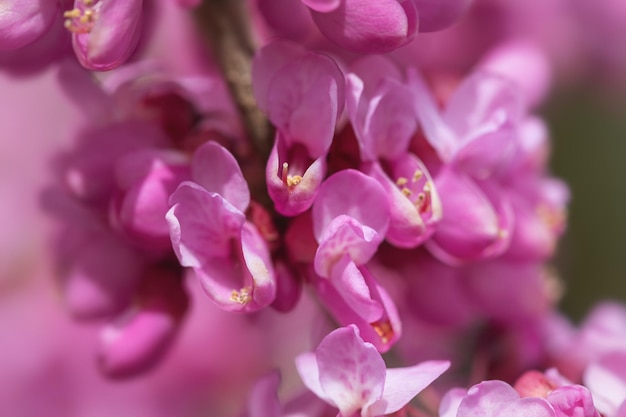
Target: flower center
point(82, 18)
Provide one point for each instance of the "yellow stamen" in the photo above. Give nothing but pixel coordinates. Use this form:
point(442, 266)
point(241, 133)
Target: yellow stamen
point(242, 296)
point(383, 330)
point(417, 176)
point(401, 181)
point(293, 180)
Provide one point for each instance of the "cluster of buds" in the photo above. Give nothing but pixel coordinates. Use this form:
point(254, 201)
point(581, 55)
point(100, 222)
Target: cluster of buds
point(405, 198)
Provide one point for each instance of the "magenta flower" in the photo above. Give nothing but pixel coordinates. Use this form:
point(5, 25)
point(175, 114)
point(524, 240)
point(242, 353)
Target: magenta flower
point(350, 374)
point(303, 95)
point(210, 233)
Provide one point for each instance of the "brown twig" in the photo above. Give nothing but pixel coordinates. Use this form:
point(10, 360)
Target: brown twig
point(226, 24)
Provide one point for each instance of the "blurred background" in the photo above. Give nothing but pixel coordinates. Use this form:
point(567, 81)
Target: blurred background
point(588, 123)
point(587, 117)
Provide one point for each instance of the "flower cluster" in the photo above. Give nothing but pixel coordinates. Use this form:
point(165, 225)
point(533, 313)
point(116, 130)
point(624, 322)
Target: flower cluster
point(402, 201)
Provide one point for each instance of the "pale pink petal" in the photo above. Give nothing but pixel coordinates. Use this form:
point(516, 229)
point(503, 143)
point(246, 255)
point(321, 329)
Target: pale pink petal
point(526, 64)
point(438, 134)
point(487, 399)
point(351, 372)
point(527, 407)
point(217, 170)
point(241, 279)
point(384, 332)
point(258, 262)
point(345, 236)
point(450, 402)
point(483, 99)
point(350, 283)
point(308, 369)
point(354, 194)
point(201, 224)
point(606, 379)
point(572, 400)
point(402, 384)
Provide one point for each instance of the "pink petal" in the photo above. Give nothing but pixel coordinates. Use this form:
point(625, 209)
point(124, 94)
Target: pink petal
point(217, 170)
point(527, 407)
point(305, 98)
point(201, 224)
point(141, 212)
point(241, 280)
point(345, 237)
point(24, 21)
point(476, 222)
point(367, 26)
point(526, 64)
point(380, 108)
point(263, 400)
point(402, 384)
point(483, 99)
point(354, 194)
point(351, 372)
point(308, 369)
point(487, 399)
point(572, 400)
point(267, 62)
point(382, 333)
point(606, 379)
point(139, 339)
point(350, 283)
point(113, 37)
point(450, 402)
point(436, 131)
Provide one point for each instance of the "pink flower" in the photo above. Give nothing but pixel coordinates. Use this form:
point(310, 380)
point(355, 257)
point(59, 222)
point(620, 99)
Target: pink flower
point(104, 32)
point(210, 233)
point(349, 227)
point(350, 374)
point(380, 107)
point(302, 94)
point(499, 399)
